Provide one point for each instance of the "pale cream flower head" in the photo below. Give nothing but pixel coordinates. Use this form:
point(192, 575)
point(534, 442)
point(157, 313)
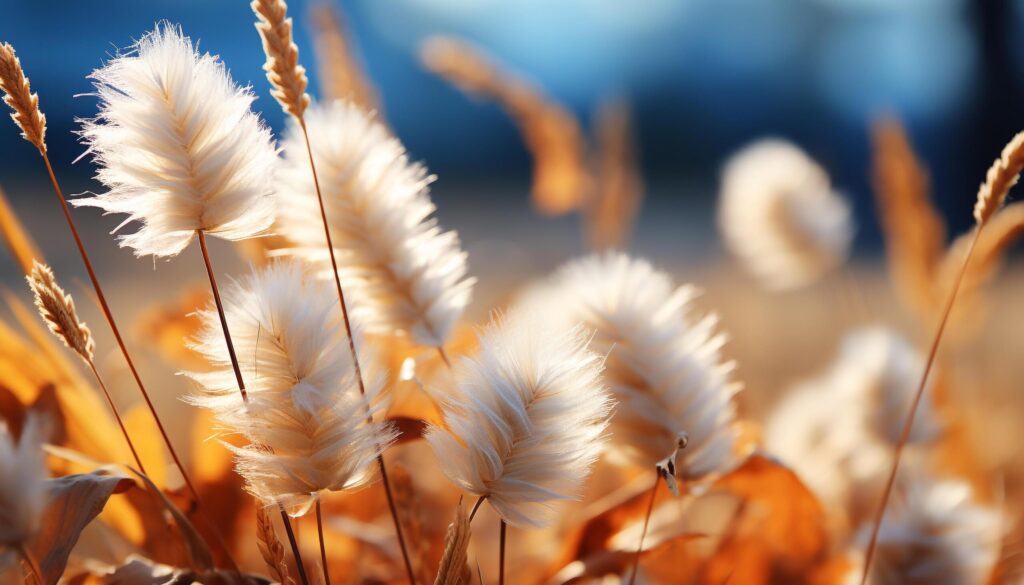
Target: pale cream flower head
point(305, 418)
point(664, 364)
point(23, 494)
point(404, 274)
point(779, 215)
point(935, 532)
point(178, 147)
point(526, 419)
point(838, 429)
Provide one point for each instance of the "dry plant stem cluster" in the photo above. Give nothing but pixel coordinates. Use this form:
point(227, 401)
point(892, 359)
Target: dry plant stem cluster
point(288, 78)
point(33, 124)
point(1001, 177)
point(241, 389)
point(643, 533)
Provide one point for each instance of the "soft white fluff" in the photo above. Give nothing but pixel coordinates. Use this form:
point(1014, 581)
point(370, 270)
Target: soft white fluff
point(403, 273)
point(778, 213)
point(305, 419)
point(23, 494)
point(664, 363)
point(525, 421)
point(933, 533)
point(178, 148)
point(838, 430)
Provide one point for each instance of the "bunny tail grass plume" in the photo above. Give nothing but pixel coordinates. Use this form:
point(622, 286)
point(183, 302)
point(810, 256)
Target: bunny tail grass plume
point(779, 215)
point(403, 272)
point(664, 363)
point(22, 481)
point(18, 95)
point(58, 311)
point(283, 70)
point(935, 533)
point(454, 568)
point(1002, 176)
point(178, 148)
point(526, 419)
point(842, 452)
point(305, 419)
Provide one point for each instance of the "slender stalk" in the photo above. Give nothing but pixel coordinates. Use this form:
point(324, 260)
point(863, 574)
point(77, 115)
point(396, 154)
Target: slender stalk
point(501, 553)
point(323, 549)
point(476, 506)
point(444, 357)
point(908, 423)
point(220, 313)
point(299, 565)
point(643, 533)
point(108, 315)
point(352, 348)
point(32, 563)
point(117, 415)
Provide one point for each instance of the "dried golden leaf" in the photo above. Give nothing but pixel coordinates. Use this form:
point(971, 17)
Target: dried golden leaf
point(779, 535)
point(74, 501)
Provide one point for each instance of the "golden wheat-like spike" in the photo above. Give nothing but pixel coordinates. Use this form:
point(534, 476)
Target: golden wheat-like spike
point(562, 181)
point(1001, 177)
point(454, 568)
point(19, 96)
point(340, 74)
point(612, 212)
point(282, 66)
point(18, 241)
point(57, 308)
point(999, 236)
point(914, 231)
point(270, 547)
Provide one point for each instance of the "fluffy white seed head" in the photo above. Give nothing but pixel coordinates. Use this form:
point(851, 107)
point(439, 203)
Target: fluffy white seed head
point(178, 148)
point(838, 430)
point(664, 363)
point(935, 532)
point(525, 421)
point(403, 273)
point(779, 215)
point(305, 419)
point(23, 494)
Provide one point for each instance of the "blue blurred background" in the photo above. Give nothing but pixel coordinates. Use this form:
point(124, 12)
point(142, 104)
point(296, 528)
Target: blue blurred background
point(703, 77)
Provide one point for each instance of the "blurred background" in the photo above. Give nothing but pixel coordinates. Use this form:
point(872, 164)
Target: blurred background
point(701, 77)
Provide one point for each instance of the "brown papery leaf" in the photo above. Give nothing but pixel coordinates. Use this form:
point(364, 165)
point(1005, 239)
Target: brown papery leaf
point(199, 553)
point(780, 533)
point(74, 501)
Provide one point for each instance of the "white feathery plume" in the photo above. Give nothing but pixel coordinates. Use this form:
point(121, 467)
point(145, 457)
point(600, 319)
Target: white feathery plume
point(933, 533)
point(779, 215)
point(838, 430)
point(526, 419)
point(664, 363)
point(23, 494)
point(403, 272)
point(305, 419)
point(178, 147)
